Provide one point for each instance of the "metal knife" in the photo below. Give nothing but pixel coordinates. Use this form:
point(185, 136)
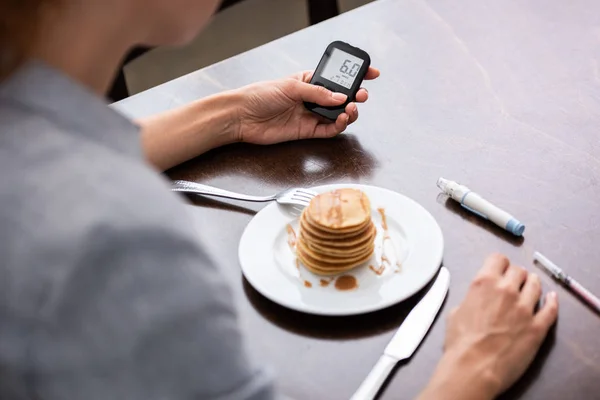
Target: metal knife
point(407, 337)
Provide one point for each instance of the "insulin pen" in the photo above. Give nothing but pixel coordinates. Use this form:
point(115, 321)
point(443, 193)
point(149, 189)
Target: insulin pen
point(569, 282)
point(480, 206)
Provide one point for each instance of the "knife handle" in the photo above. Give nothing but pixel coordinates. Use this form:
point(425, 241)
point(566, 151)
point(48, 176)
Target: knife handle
point(373, 382)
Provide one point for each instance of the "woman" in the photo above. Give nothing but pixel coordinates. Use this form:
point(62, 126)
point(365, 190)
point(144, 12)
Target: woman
point(104, 298)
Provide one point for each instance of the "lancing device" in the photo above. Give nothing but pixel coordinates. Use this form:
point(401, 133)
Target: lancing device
point(480, 206)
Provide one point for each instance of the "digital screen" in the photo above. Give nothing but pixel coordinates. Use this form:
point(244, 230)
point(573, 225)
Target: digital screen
point(342, 68)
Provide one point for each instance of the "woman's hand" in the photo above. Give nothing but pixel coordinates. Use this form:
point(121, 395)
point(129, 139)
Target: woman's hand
point(494, 335)
point(273, 112)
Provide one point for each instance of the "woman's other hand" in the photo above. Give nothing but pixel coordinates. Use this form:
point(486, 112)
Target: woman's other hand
point(494, 335)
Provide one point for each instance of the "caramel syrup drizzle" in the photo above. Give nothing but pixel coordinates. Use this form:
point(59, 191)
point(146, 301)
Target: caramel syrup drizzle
point(385, 261)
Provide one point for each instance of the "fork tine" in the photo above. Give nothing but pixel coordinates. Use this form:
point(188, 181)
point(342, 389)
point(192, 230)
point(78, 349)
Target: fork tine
point(303, 201)
point(306, 191)
point(302, 196)
point(300, 202)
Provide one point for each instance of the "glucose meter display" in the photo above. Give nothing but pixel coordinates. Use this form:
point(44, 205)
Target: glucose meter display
point(342, 68)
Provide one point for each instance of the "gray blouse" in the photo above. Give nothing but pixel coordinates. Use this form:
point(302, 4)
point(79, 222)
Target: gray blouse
point(102, 297)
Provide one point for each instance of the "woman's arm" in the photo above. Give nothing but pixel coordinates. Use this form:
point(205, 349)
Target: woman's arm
point(175, 136)
point(458, 377)
point(263, 113)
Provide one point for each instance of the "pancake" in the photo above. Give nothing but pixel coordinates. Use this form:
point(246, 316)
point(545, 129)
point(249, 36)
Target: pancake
point(309, 225)
point(342, 244)
point(335, 251)
point(321, 268)
point(334, 259)
point(340, 209)
point(353, 241)
point(336, 232)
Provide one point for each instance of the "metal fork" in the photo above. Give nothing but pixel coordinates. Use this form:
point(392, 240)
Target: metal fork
point(295, 196)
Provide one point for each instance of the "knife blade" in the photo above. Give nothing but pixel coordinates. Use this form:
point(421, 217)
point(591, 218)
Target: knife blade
point(407, 338)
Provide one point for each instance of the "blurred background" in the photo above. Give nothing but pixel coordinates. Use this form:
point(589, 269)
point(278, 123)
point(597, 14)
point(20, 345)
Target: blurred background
point(240, 27)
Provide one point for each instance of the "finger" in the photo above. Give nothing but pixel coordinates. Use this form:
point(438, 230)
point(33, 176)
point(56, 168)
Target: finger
point(327, 130)
point(546, 316)
point(352, 111)
point(515, 277)
point(317, 94)
point(306, 76)
point(372, 73)
point(322, 120)
point(362, 95)
point(532, 290)
point(495, 265)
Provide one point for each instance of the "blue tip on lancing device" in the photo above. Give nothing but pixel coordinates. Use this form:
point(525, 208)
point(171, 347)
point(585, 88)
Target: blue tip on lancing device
point(480, 206)
point(515, 227)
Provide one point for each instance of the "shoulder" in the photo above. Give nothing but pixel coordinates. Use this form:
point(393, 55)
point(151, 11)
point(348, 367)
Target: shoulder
point(66, 198)
point(46, 169)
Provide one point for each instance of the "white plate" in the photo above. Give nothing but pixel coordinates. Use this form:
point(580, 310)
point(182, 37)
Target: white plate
point(416, 243)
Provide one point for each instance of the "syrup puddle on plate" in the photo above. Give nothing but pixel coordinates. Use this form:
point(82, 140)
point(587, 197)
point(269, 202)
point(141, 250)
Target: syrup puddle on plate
point(325, 282)
point(346, 282)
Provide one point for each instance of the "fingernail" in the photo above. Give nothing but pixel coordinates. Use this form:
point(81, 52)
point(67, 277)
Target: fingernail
point(552, 295)
point(339, 96)
point(347, 118)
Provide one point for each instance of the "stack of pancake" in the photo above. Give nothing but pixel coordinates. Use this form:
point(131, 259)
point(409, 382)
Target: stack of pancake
point(336, 232)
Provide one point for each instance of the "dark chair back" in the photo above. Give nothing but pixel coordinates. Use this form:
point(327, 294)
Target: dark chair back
point(318, 10)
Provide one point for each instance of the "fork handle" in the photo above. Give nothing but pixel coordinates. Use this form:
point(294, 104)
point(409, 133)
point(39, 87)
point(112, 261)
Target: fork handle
point(197, 188)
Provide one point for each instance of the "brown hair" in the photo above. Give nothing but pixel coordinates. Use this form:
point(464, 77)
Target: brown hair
point(19, 24)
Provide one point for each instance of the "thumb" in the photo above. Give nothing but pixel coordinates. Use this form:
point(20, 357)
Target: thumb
point(318, 94)
point(546, 316)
